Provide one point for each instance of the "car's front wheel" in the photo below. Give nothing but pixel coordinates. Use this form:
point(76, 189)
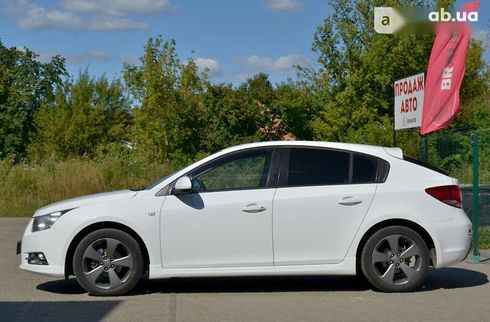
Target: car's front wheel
point(108, 262)
point(395, 259)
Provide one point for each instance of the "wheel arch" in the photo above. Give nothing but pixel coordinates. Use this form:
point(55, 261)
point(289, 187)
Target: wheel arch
point(100, 225)
point(397, 222)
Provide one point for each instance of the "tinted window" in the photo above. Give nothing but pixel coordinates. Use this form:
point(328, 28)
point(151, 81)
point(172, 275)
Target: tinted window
point(317, 167)
point(245, 170)
point(364, 169)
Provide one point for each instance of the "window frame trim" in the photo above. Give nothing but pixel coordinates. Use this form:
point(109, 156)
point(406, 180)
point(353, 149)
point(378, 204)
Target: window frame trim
point(279, 168)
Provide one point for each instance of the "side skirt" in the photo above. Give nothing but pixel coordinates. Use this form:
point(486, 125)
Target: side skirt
point(347, 267)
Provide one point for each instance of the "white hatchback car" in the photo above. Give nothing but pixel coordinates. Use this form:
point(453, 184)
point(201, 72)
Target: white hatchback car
point(271, 208)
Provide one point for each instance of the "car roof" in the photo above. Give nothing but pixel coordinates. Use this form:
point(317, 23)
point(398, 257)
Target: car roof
point(362, 148)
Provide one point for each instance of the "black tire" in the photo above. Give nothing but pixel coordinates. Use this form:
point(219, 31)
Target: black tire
point(108, 262)
point(401, 271)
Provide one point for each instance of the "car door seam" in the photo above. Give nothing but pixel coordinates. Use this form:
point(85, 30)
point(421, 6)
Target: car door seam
point(272, 228)
point(362, 222)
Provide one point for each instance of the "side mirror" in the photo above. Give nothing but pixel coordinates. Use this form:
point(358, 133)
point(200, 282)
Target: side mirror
point(182, 186)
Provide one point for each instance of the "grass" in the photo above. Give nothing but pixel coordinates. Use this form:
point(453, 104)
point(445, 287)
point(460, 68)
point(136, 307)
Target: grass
point(485, 238)
point(26, 187)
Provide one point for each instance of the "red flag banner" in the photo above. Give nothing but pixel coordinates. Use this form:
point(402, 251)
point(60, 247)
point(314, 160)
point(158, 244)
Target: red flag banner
point(445, 72)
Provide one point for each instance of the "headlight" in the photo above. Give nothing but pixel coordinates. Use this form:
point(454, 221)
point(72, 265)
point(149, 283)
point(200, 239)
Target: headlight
point(46, 221)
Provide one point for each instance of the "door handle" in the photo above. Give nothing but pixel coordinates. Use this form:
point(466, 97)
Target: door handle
point(253, 208)
point(349, 201)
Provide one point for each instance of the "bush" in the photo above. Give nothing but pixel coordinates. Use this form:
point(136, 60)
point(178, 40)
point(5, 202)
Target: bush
point(25, 187)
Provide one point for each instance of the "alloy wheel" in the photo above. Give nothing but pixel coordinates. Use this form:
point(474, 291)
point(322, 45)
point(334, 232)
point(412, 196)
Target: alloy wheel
point(107, 263)
point(396, 259)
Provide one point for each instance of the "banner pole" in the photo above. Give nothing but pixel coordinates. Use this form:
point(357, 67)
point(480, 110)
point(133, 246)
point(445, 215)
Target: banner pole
point(424, 150)
point(475, 259)
point(394, 135)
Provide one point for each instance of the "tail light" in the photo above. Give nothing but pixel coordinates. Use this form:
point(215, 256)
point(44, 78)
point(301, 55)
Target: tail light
point(450, 195)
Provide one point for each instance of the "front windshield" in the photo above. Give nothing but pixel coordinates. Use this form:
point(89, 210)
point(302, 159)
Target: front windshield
point(153, 185)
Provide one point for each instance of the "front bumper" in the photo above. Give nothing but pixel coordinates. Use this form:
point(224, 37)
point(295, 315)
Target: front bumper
point(50, 242)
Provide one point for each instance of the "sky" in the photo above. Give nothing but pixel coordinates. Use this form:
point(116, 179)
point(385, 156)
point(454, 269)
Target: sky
point(235, 39)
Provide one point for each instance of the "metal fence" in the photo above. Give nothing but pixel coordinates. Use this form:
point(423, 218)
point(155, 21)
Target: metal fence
point(464, 155)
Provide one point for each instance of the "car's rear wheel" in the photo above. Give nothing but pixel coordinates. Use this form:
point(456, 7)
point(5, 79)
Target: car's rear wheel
point(108, 262)
point(395, 259)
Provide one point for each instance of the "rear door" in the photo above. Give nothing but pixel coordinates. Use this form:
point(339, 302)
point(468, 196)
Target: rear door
point(322, 199)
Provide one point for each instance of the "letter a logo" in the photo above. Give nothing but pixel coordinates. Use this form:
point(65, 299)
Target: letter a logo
point(387, 20)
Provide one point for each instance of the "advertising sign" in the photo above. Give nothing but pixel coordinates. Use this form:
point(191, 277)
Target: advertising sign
point(409, 101)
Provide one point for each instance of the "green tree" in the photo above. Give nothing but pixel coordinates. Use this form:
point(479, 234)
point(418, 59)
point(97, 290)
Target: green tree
point(25, 84)
point(227, 118)
point(86, 115)
point(258, 95)
point(281, 112)
point(296, 107)
point(171, 117)
point(154, 85)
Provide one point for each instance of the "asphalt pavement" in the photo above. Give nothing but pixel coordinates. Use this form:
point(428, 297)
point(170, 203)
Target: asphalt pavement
point(458, 293)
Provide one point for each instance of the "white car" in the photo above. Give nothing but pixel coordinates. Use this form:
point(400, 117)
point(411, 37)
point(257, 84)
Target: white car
point(270, 208)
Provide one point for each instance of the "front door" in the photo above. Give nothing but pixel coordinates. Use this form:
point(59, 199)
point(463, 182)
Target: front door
point(227, 219)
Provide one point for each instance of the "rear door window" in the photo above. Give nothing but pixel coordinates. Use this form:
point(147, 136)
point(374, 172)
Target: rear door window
point(308, 167)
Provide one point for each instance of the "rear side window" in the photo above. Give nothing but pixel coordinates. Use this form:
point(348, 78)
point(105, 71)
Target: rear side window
point(364, 169)
point(309, 167)
point(319, 167)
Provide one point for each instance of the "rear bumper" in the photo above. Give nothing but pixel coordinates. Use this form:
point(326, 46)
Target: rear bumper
point(453, 239)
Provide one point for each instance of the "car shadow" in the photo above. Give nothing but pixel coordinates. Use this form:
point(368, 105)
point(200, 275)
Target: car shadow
point(453, 278)
point(56, 311)
point(68, 287)
point(255, 284)
point(193, 200)
point(445, 278)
